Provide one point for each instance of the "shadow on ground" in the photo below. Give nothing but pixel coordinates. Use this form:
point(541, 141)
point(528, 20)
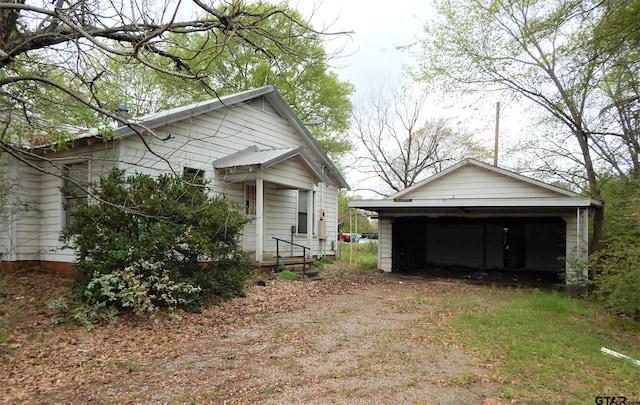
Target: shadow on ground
point(513, 278)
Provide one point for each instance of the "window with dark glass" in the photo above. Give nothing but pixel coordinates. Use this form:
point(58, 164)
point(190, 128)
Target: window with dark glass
point(192, 173)
point(75, 181)
point(303, 210)
point(250, 199)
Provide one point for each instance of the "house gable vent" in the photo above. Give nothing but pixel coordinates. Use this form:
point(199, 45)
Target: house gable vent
point(262, 104)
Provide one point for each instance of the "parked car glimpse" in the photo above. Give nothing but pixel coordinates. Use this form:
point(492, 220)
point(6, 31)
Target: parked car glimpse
point(370, 235)
point(349, 237)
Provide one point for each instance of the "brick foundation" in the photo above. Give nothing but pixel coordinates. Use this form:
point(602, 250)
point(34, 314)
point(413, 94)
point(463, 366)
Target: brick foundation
point(57, 268)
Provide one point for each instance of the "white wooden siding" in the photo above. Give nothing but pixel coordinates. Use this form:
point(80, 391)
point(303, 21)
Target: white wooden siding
point(7, 202)
point(385, 236)
point(577, 247)
point(52, 214)
point(193, 142)
point(19, 236)
point(281, 211)
point(476, 182)
point(327, 199)
point(291, 173)
point(198, 141)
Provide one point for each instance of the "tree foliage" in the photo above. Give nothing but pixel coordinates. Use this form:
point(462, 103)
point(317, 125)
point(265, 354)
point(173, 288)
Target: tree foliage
point(56, 58)
point(316, 94)
point(152, 253)
point(556, 54)
point(616, 39)
point(351, 220)
point(617, 279)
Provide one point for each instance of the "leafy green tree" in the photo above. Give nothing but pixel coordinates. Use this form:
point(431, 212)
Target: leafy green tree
point(616, 38)
point(56, 58)
point(618, 262)
point(174, 246)
point(353, 220)
point(541, 51)
point(318, 97)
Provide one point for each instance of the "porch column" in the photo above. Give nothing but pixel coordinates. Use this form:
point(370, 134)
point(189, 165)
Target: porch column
point(310, 215)
point(259, 218)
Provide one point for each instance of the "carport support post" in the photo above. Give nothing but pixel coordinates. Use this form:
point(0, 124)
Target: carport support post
point(576, 266)
point(583, 215)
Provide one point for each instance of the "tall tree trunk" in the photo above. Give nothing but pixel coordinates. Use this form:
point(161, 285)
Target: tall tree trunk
point(598, 222)
point(594, 189)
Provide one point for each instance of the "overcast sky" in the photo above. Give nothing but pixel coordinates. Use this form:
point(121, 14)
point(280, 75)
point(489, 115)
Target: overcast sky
point(370, 56)
point(379, 27)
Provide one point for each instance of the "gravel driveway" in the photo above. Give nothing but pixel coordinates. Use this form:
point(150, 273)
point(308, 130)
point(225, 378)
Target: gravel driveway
point(347, 339)
point(377, 343)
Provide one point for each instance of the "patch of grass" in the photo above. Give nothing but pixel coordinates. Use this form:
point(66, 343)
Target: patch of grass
point(363, 255)
point(548, 345)
point(287, 274)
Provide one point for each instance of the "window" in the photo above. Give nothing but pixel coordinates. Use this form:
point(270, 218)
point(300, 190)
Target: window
point(191, 173)
point(250, 199)
point(303, 210)
point(76, 178)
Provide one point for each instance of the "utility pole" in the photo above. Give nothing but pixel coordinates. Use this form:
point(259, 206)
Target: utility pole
point(495, 145)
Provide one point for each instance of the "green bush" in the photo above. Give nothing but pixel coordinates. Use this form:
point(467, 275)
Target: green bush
point(618, 280)
point(617, 264)
point(143, 243)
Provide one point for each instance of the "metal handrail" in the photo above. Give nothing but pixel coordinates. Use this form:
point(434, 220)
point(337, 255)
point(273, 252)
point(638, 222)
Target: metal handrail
point(304, 253)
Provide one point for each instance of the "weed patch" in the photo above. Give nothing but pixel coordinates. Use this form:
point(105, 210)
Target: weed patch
point(549, 346)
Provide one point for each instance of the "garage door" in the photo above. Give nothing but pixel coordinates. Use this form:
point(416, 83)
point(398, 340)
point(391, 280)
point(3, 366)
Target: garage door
point(536, 244)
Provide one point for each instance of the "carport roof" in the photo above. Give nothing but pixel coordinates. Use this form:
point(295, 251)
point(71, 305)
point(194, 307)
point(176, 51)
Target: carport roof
point(475, 186)
point(469, 203)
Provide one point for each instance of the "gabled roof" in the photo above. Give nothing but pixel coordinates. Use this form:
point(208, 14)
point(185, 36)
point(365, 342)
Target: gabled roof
point(495, 169)
point(474, 184)
point(155, 120)
point(266, 158)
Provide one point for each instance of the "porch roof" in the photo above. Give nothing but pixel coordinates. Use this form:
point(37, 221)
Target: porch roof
point(252, 158)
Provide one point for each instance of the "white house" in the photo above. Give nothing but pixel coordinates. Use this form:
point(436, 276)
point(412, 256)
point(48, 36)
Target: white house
point(473, 215)
point(250, 146)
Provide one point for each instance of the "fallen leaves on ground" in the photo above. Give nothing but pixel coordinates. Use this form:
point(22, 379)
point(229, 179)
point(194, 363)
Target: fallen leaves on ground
point(41, 361)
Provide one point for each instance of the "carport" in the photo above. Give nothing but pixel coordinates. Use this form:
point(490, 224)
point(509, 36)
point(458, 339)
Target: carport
point(476, 216)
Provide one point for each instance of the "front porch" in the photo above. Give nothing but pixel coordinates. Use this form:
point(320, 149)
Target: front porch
point(277, 188)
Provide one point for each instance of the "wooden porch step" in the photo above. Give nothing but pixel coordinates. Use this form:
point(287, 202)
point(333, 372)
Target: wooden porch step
point(294, 264)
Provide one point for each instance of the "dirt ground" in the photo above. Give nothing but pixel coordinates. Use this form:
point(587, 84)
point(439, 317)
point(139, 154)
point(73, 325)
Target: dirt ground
point(348, 338)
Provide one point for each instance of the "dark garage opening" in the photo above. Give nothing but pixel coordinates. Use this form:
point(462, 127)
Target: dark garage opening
point(525, 249)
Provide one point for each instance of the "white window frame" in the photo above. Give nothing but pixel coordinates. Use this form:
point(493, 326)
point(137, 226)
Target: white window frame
point(250, 198)
point(302, 203)
point(79, 191)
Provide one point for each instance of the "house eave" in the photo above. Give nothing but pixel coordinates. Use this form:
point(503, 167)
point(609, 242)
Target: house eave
point(487, 203)
point(156, 120)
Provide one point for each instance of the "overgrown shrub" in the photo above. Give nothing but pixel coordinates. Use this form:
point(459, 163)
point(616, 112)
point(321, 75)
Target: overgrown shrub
point(618, 280)
point(144, 243)
point(617, 264)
